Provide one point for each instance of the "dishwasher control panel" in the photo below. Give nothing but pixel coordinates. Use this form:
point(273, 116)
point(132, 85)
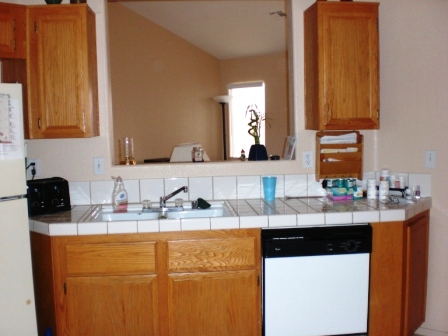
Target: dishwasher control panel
point(295, 242)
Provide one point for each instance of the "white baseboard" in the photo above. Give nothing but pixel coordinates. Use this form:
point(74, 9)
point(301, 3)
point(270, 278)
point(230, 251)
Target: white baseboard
point(429, 332)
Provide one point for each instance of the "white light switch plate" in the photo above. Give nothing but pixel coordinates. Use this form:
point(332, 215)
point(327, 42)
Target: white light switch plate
point(98, 166)
point(430, 159)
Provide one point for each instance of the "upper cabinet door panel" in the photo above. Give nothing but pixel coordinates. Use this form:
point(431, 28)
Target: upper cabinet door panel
point(59, 54)
point(341, 66)
point(12, 31)
point(63, 88)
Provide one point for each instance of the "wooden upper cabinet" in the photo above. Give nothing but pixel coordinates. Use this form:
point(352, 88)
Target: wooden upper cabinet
point(62, 72)
point(12, 31)
point(341, 66)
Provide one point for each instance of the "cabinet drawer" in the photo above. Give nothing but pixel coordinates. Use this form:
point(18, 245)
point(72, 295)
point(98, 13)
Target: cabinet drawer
point(110, 259)
point(211, 254)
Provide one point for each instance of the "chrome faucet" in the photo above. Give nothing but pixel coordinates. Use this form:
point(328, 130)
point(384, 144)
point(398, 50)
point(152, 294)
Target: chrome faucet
point(163, 199)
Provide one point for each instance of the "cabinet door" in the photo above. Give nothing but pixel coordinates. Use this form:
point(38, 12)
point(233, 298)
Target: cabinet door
point(341, 66)
point(416, 273)
point(213, 286)
point(350, 63)
point(62, 72)
point(114, 305)
point(214, 303)
point(107, 286)
point(12, 31)
point(386, 279)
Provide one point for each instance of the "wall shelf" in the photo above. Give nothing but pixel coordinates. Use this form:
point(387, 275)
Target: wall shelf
point(339, 160)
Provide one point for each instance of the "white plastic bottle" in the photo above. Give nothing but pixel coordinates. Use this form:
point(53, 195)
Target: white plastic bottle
point(119, 196)
point(383, 193)
point(371, 189)
point(384, 176)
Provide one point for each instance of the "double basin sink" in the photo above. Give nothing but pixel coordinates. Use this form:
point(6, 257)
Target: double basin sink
point(136, 213)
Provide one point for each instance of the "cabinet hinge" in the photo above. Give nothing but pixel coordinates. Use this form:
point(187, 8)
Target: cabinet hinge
point(14, 25)
point(65, 288)
point(35, 27)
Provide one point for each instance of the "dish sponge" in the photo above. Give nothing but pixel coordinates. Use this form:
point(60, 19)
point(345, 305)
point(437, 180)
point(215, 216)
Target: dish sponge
point(203, 204)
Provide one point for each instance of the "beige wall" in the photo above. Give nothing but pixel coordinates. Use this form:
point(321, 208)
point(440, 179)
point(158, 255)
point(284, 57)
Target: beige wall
point(414, 117)
point(161, 88)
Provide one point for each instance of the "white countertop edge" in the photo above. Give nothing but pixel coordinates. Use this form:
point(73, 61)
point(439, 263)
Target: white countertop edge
point(236, 222)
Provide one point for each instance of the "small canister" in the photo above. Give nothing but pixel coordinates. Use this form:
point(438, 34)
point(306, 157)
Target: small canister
point(392, 181)
point(329, 189)
point(371, 189)
point(402, 181)
point(383, 192)
point(384, 176)
point(340, 183)
point(197, 154)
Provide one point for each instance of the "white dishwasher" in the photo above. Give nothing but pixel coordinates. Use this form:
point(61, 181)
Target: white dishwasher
point(316, 280)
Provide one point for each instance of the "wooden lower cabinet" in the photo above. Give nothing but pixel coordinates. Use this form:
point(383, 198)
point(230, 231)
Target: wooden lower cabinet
point(112, 305)
point(180, 283)
point(227, 309)
point(203, 282)
point(399, 269)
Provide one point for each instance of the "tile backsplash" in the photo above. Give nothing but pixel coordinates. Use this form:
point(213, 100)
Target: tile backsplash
point(215, 188)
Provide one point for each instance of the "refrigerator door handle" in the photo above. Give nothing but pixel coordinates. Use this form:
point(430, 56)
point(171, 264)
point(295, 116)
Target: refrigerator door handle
point(11, 198)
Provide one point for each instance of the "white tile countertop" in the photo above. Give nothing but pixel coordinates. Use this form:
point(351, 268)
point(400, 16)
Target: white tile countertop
point(245, 213)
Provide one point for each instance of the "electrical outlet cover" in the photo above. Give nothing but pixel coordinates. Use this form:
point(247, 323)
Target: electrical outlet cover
point(36, 167)
point(307, 159)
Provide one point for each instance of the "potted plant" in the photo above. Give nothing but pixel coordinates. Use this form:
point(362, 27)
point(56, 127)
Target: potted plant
point(257, 151)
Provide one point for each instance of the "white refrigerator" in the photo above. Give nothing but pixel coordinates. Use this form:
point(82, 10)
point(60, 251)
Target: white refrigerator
point(17, 307)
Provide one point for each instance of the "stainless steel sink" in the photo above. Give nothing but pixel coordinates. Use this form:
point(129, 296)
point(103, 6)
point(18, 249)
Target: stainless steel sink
point(213, 211)
point(135, 213)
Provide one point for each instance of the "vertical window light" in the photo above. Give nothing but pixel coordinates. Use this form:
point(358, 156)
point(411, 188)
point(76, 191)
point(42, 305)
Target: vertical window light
point(243, 95)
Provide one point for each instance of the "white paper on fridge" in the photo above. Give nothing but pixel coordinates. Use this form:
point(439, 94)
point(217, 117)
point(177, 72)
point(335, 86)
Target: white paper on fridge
point(11, 131)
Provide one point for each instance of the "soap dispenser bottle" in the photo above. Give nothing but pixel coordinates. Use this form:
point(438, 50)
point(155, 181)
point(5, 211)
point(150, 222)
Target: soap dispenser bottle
point(119, 196)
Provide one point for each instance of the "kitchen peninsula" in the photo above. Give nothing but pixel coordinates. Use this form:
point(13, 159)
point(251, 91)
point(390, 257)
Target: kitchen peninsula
point(169, 277)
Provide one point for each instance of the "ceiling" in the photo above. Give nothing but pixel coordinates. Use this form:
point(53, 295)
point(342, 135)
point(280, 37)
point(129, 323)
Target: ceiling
point(224, 29)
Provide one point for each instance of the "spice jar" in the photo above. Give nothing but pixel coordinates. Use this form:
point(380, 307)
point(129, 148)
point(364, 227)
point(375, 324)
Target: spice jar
point(197, 154)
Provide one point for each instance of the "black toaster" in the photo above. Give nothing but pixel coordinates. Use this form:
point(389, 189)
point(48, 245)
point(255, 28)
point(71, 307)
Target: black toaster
point(47, 196)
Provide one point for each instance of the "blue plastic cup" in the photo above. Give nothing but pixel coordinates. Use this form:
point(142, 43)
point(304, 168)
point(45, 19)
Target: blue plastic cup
point(269, 183)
